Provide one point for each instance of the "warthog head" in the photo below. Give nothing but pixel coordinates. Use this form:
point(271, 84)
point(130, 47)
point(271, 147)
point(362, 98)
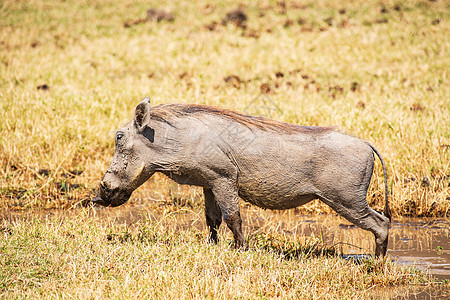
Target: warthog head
point(130, 165)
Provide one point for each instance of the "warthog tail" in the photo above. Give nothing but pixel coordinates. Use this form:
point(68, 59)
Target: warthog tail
point(387, 211)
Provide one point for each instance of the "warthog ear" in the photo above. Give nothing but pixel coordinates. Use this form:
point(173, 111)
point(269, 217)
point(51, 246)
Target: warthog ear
point(142, 114)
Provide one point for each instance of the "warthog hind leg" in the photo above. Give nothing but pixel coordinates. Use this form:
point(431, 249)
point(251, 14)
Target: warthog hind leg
point(360, 214)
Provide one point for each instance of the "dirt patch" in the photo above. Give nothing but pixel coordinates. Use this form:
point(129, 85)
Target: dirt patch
point(43, 87)
point(270, 82)
point(236, 17)
point(234, 81)
point(265, 88)
point(355, 87)
point(211, 26)
point(381, 21)
point(288, 23)
point(251, 33)
point(361, 105)
point(417, 107)
point(329, 21)
point(153, 15)
point(159, 15)
point(335, 90)
point(183, 75)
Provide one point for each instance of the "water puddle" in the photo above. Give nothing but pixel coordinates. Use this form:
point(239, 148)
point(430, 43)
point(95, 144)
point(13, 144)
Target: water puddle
point(411, 292)
point(424, 243)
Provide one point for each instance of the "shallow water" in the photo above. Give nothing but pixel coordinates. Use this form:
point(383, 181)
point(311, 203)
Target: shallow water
point(424, 243)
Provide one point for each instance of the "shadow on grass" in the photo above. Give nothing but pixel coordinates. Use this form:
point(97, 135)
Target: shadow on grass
point(290, 248)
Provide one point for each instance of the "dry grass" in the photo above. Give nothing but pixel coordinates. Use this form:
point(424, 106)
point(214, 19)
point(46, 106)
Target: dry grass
point(83, 256)
point(71, 72)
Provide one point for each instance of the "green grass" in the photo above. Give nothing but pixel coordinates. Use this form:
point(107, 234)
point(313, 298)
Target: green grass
point(377, 70)
point(83, 256)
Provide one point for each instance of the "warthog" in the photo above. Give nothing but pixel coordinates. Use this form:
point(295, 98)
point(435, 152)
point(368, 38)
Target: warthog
point(268, 163)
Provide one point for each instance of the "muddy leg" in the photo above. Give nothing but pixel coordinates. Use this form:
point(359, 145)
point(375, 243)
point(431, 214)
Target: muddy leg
point(234, 222)
point(379, 226)
point(213, 215)
point(360, 214)
point(226, 196)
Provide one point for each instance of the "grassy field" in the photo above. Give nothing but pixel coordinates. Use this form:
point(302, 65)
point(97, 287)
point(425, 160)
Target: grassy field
point(72, 72)
point(90, 257)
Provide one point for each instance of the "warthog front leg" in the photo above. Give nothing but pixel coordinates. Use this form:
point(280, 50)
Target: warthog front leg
point(226, 195)
point(234, 222)
point(213, 215)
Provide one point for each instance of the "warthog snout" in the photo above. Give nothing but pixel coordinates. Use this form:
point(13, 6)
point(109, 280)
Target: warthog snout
point(107, 196)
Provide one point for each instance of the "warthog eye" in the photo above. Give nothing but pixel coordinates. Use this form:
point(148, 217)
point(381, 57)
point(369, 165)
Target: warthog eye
point(119, 136)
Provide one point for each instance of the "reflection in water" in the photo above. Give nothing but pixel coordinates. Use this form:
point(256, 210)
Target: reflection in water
point(420, 242)
point(423, 243)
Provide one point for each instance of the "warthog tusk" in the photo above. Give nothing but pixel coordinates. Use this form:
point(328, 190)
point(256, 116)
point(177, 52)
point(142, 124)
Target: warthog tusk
point(103, 184)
